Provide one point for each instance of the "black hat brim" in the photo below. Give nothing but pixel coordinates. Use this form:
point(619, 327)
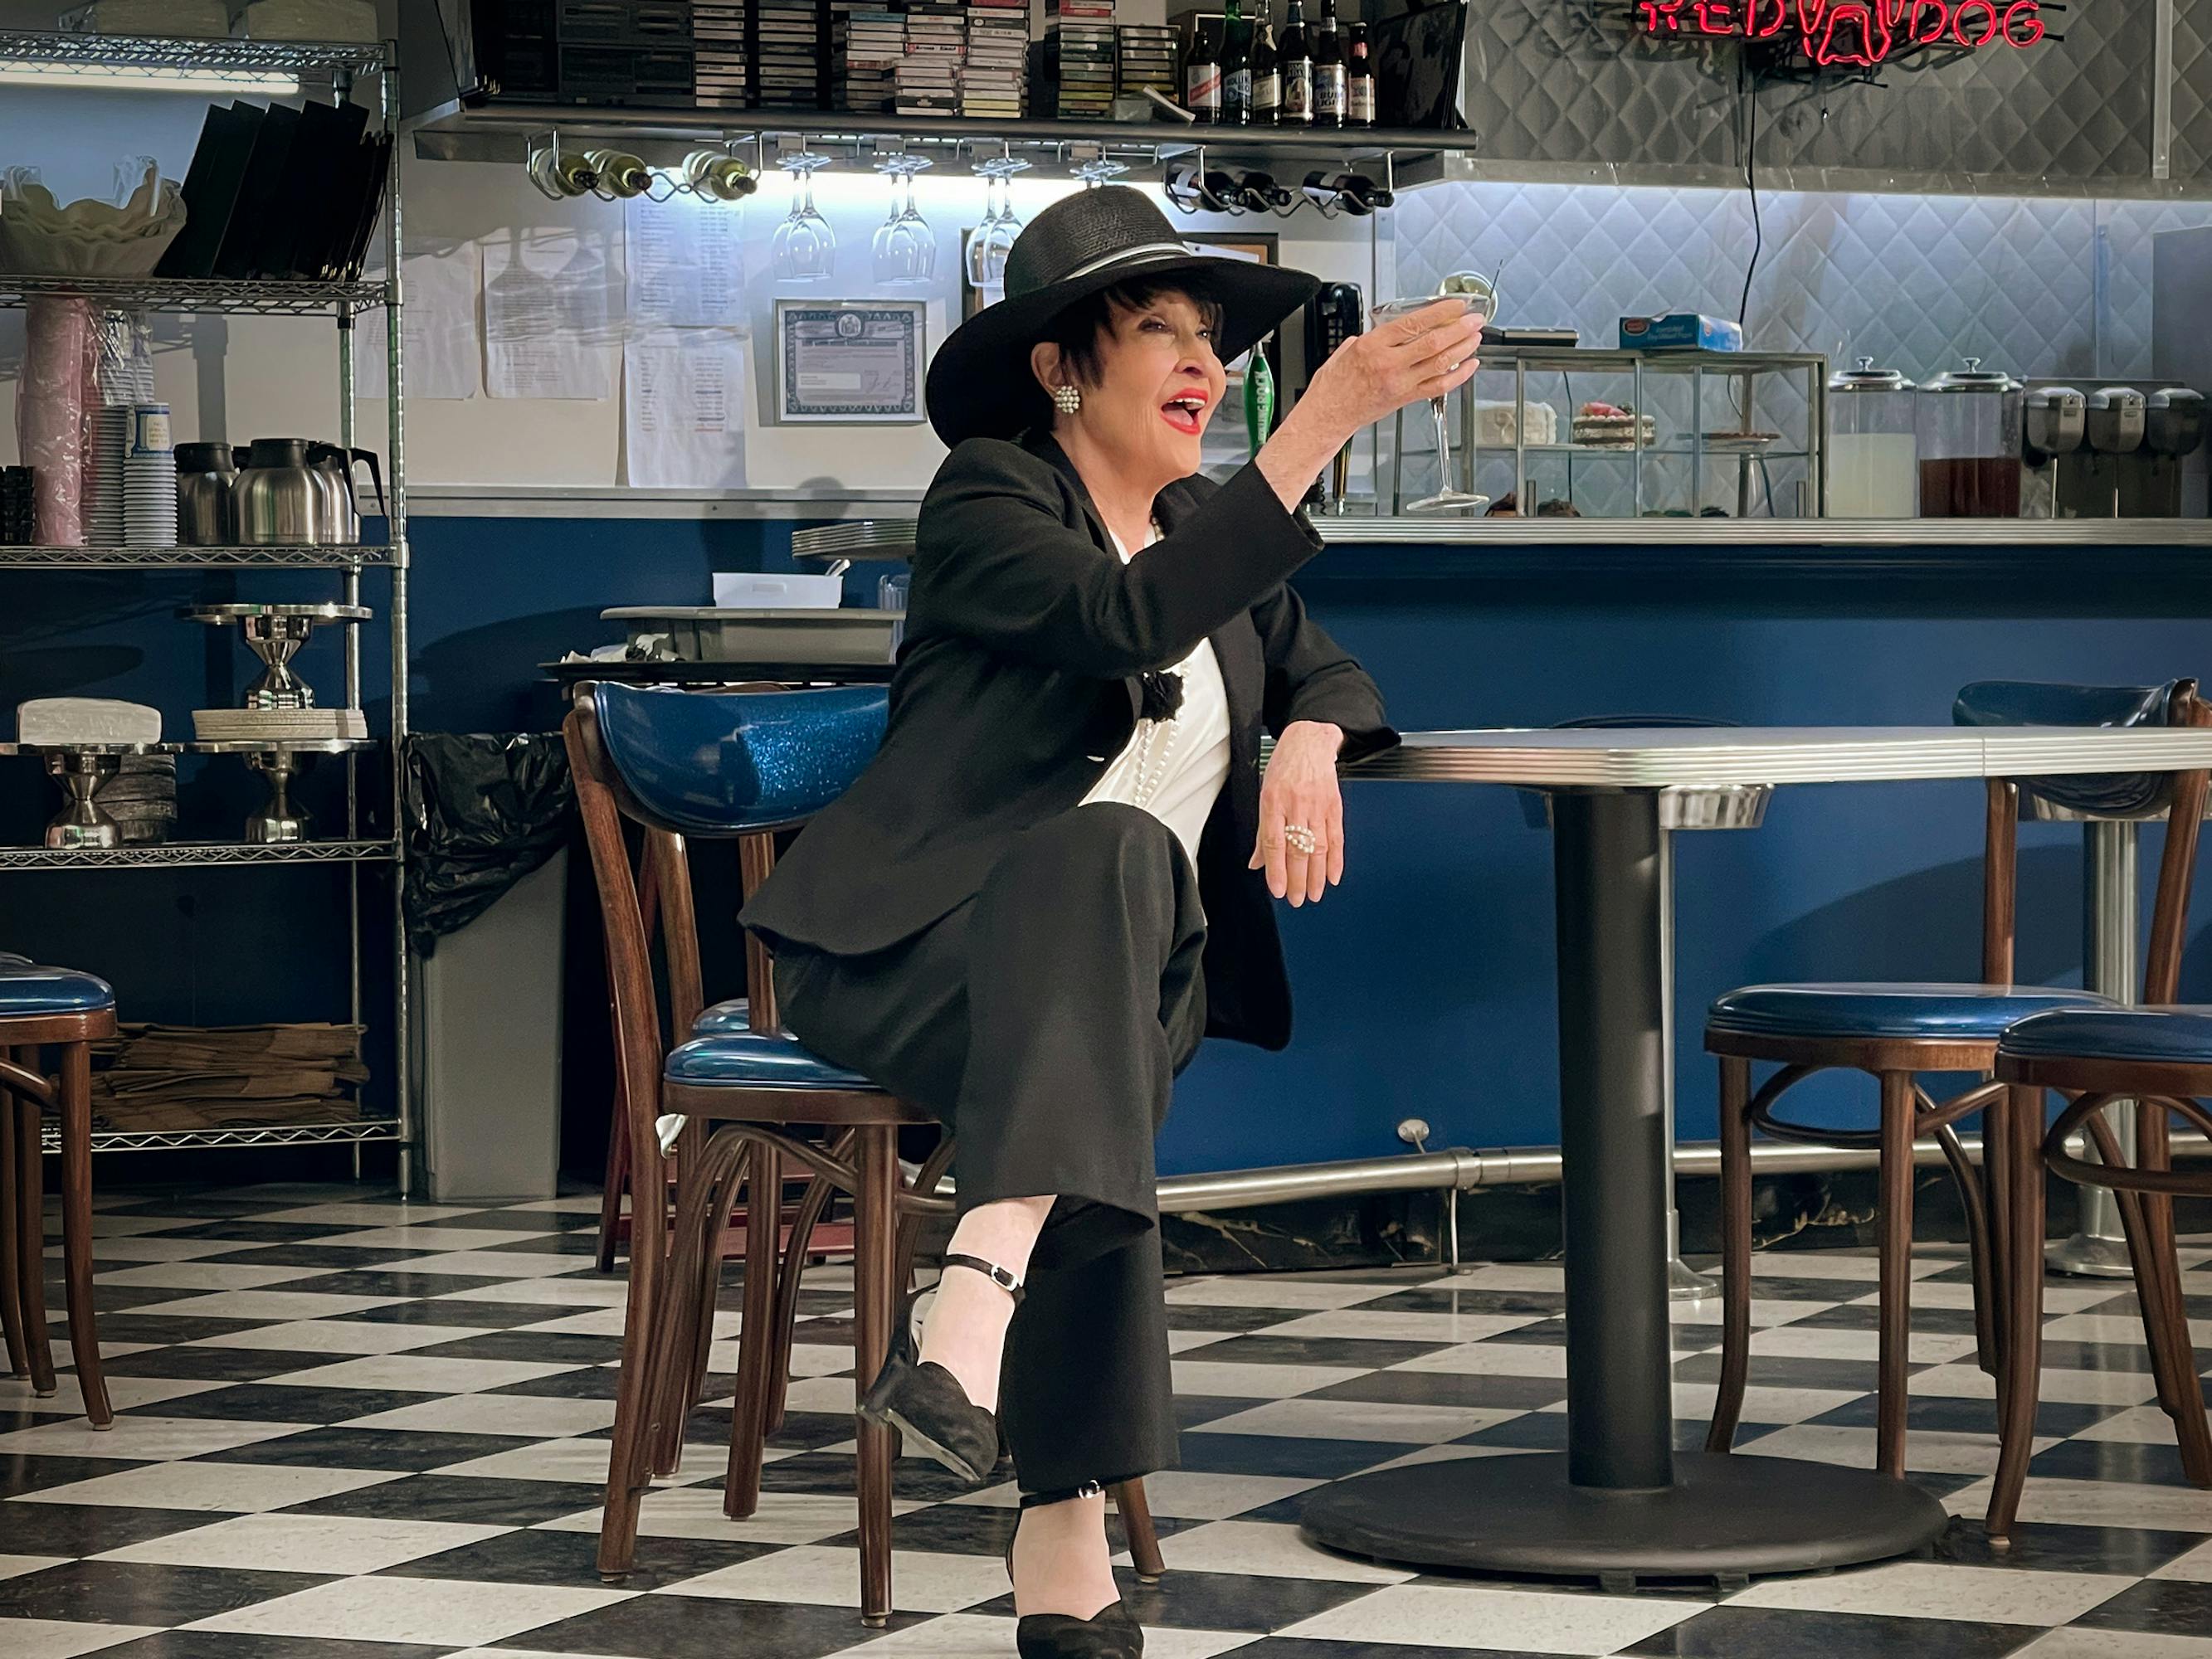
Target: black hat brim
point(979, 383)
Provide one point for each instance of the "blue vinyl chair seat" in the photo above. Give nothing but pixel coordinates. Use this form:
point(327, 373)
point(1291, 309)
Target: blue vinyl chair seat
point(732, 763)
point(756, 1059)
point(2177, 1035)
point(1932, 1011)
point(29, 992)
point(723, 1019)
point(2027, 703)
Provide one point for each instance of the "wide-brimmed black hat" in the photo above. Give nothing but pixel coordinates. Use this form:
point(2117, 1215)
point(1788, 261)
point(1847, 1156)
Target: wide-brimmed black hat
point(980, 383)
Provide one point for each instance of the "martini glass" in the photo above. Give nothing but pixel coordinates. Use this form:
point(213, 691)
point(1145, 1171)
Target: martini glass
point(1478, 296)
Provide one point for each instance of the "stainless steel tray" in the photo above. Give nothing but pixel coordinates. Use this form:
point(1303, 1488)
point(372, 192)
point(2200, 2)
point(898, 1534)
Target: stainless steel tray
point(708, 633)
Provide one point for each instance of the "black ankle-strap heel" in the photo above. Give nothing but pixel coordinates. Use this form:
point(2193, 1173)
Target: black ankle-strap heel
point(1110, 1633)
point(925, 1403)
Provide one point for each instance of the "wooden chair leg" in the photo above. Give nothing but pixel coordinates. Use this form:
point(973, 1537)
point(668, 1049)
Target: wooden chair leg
point(617, 1179)
point(2166, 1314)
point(11, 1310)
point(2016, 1135)
point(1981, 1247)
point(75, 1099)
point(812, 1206)
point(755, 1341)
point(1144, 1539)
point(1895, 1298)
point(695, 1265)
point(31, 1248)
point(874, 1216)
point(1736, 1252)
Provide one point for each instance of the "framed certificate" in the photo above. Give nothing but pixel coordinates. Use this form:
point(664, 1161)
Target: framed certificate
point(848, 361)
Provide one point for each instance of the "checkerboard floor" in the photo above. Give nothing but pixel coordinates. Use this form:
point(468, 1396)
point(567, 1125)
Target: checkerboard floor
point(350, 1429)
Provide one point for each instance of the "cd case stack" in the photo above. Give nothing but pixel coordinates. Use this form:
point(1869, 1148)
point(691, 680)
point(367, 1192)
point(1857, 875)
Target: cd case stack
point(1148, 61)
point(994, 78)
point(718, 37)
point(788, 71)
point(1080, 54)
point(870, 41)
point(929, 73)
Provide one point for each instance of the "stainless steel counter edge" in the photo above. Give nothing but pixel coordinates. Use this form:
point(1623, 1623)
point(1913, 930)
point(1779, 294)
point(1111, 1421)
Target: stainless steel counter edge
point(452, 500)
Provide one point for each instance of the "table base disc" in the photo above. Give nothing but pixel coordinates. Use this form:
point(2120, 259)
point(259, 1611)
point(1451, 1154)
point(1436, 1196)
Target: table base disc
point(1728, 1516)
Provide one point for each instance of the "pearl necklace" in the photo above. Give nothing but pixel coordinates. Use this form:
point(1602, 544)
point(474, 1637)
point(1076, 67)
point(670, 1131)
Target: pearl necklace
point(1155, 742)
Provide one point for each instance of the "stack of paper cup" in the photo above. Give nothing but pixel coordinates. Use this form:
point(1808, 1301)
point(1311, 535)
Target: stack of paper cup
point(111, 441)
point(149, 478)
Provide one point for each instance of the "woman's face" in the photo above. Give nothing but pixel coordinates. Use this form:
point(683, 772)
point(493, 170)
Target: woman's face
point(1158, 386)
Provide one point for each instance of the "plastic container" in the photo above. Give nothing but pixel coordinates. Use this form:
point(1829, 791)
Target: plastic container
point(1873, 455)
point(1968, 425)
point(754, 590)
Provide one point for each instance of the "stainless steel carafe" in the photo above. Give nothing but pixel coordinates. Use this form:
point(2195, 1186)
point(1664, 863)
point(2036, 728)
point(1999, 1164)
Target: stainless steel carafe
point(207, 483)
point(334, 464)
point(281, 501)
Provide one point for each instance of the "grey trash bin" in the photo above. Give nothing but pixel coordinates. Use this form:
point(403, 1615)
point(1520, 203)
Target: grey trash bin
point(487, 880)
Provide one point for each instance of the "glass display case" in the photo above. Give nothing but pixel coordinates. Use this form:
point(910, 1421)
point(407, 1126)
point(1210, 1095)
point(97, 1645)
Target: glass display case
point(1606, 434)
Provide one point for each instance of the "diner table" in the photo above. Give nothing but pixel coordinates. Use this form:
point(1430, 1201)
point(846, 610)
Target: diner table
point(1621, 1504)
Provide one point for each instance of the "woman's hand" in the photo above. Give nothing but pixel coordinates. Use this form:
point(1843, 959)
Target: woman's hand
point(1300, 792)
point(1428, 354)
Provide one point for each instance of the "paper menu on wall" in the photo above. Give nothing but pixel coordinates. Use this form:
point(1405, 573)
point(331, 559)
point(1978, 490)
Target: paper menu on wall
point(684, 397)
point(445, 354)
point(549, 316)
point(685, 260)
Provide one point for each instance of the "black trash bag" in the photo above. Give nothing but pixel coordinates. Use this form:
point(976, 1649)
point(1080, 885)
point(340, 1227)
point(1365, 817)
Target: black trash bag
point(483, 810)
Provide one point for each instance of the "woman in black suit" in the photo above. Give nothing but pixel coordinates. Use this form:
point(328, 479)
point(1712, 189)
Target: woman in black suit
point(1054, 877)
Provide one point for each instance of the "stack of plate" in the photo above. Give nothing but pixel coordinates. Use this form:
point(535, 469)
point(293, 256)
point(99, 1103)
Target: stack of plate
point(149, 478)
point(277, 725)
point(110, 440)
point(141, 798)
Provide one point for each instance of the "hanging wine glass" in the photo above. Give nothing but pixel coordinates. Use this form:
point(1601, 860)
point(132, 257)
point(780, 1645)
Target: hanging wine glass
point(993, 239)
point(905, 247)
point(1478, 296)
point(1099, 171)
point(803, 248)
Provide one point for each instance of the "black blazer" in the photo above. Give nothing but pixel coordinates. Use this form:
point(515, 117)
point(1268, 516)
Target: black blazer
point(1016, 685)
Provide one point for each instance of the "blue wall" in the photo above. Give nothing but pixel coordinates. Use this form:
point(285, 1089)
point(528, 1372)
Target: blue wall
point(1425, 984)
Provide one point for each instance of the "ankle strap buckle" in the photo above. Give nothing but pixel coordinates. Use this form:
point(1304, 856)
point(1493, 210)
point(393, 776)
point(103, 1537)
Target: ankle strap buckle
point(990, 1270)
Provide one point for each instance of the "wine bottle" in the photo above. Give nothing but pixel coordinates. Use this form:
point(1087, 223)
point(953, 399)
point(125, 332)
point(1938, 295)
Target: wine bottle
point(1359, 81)
point(1267, 73)
point(1201, 75)
point(1296, 58)
point(1235, 67)
point(1329, 69)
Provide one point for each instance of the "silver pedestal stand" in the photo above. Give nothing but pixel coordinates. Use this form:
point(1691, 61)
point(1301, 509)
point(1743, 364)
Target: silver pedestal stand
point(81, 768)
point(280, 761)
point(274, 634)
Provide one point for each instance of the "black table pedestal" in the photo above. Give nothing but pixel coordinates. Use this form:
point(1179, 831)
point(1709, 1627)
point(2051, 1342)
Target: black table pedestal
point(1620, 1504)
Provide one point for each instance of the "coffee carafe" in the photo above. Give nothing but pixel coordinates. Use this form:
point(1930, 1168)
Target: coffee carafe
point(334, 463)
point(280, 499)
point(207, 485)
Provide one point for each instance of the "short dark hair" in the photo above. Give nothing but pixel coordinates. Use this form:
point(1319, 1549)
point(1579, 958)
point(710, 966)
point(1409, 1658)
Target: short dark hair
point(1077, 330)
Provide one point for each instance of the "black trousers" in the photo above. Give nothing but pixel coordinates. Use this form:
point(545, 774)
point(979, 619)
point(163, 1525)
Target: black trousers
point(1044, 1020)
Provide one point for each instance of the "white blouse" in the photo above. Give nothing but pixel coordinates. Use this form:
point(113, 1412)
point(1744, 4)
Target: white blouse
point(1175, 769)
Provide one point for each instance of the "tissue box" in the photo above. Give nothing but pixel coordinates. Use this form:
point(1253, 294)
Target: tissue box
point(758, 591)
point(1684, 331)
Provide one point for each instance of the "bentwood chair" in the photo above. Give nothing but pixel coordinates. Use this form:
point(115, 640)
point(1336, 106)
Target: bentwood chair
point(68, 1012)
point(742, 765)
point(1897, 1033)
point(2160, 1058)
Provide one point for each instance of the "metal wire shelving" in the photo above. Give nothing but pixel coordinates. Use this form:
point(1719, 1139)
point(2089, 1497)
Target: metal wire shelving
point(366, 71)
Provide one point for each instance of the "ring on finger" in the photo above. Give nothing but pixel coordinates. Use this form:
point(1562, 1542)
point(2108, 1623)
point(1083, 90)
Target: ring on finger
point(1300, 837)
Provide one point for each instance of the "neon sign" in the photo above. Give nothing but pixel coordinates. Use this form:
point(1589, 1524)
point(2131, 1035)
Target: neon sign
point(1850, 33)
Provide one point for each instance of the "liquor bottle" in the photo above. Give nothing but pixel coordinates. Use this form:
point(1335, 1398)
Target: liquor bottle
point(1235, 67)
point(1267, 73)
point(1328, 69)
point(1296, 58)
point(1359, 81)
point(1201, 75)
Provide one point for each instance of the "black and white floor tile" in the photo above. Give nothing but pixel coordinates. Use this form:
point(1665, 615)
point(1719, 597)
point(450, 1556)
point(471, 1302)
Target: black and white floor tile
point(351, 1429)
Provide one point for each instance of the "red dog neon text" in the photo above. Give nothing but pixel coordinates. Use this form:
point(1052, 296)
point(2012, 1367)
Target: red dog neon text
point(1847, 32)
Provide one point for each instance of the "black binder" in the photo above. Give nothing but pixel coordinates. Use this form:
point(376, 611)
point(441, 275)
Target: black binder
point(259, 200)
point(211, 188)
point(290, 244)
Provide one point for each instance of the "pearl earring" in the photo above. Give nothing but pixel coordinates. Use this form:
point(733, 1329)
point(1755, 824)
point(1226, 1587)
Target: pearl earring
point(1067, 399)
